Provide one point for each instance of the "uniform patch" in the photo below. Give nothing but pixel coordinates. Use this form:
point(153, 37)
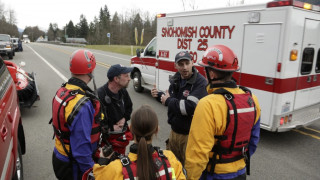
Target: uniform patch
point(186, 93)
point(250, 101)
point(107, 99)
point(158, 163)
point(62, 93)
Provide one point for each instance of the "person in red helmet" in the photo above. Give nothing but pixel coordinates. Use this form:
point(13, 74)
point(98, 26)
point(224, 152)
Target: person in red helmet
point(76, 118)
point(225, 127)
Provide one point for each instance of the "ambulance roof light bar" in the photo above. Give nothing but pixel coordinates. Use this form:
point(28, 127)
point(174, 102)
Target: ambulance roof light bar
point(293, 3)
point(161, 15)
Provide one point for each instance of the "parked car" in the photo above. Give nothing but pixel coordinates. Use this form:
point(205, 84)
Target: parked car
point(6, 46)
point(15, 43)
point(12, 142)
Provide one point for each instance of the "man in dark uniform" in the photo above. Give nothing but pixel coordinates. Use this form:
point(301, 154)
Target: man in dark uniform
point(118, 105)
point(187, 87)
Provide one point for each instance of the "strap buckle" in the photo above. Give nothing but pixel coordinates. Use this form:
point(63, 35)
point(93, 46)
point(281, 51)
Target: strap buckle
point(124, 161)
point(244, 152)
point(73, 93)
point(228, 96)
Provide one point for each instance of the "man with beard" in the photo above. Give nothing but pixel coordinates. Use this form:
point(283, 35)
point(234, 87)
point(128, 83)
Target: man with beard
point(186, 88)
point(118, 106)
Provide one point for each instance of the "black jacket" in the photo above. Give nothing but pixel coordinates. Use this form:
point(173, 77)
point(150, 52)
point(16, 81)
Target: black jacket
point(117, 106)
point(183, 100)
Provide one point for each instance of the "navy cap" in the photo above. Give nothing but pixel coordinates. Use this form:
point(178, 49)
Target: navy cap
point(183, 55)
point(117, 69)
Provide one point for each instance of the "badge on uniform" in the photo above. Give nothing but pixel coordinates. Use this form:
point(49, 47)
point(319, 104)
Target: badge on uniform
point(186, 93)
point(250, 101)
point(158, 163)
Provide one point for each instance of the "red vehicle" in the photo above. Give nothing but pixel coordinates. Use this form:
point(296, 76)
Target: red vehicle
point(12, 141)
point(25, 83)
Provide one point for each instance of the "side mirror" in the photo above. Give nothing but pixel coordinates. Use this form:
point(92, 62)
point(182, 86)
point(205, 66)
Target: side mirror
point(138, 52)
point(22, 64)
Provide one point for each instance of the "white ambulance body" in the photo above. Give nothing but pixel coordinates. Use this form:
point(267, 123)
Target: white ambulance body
point(277, 44)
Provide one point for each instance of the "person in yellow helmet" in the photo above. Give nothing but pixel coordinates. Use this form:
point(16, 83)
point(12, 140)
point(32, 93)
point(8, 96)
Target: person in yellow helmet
point(225, 127)
point(144, 161)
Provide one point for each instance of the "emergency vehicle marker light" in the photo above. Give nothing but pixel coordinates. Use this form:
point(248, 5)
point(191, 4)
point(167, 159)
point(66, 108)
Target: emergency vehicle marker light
point(298, 4)
point(307, 6)
point(293, 55)
point(290, 118)
point(161, 15)
point(279, 3)
point(281, 121)
point(279, 67)
point(286, 119)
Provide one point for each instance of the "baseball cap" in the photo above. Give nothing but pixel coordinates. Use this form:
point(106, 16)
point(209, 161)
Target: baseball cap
point(117, 69)
point(183, 55)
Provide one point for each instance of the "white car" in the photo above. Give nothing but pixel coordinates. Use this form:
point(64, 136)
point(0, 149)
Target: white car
point(26, 40)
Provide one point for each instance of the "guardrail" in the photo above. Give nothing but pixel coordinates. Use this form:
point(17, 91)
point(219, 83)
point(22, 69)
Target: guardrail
point(63, 44)
point(73, 44)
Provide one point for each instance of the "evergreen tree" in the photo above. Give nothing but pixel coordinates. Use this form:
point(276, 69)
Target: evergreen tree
point(71, 31)
point(115, 29)
point(83, 27)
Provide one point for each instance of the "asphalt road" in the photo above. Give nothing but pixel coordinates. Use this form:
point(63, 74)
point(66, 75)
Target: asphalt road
point(289, 155)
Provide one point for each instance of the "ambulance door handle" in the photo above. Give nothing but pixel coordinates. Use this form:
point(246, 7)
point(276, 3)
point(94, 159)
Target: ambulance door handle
point(269, 81)
point(309, 78)
point(315, 77)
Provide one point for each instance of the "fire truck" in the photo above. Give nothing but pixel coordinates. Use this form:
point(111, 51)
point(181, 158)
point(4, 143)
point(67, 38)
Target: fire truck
point(278, 48)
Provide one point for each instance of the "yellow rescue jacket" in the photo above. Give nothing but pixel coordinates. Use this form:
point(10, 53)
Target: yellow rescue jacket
point(114, 169)
point(210, 119)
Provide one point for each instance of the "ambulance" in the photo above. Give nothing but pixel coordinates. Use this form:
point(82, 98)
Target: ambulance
point(277, 44)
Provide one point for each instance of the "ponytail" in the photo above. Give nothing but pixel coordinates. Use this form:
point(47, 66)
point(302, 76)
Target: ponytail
point(145, 166)
point(144, 124)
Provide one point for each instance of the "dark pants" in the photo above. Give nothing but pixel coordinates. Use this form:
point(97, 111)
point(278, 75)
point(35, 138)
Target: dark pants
point(62, 169)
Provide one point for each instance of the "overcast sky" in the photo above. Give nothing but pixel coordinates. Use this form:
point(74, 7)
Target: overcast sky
point(43, 12)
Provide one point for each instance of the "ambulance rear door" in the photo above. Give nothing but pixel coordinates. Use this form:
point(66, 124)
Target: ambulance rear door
point(259, 61)
point(308, 84)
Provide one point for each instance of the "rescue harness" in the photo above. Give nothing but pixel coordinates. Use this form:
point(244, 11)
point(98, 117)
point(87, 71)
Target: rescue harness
point(233, 145)
point(59, 122)
point(129, 168)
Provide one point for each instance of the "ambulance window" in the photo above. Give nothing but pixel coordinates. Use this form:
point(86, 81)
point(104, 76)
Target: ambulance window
point(318, 62)
point(151, 49)
point(307, 60)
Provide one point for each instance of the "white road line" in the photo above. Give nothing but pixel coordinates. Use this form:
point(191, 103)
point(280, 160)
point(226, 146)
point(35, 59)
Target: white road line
point(53, 68)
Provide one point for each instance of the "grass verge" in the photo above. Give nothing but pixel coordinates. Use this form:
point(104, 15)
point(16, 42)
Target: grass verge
point(121, 49)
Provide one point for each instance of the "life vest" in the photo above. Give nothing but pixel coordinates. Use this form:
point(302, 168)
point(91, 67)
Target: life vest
point(129, 169)
point(59, 121)
point(233, 144)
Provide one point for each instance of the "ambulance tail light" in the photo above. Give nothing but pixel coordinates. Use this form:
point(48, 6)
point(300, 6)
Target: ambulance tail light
point(286, 119)
point(281, 121)
point(161, 15)
point(293, 55)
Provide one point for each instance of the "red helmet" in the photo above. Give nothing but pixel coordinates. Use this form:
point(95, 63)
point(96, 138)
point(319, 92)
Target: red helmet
point(82, 62)
point(221, 58)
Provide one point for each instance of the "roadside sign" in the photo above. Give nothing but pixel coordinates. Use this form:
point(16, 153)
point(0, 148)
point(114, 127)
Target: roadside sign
point(108, 35)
